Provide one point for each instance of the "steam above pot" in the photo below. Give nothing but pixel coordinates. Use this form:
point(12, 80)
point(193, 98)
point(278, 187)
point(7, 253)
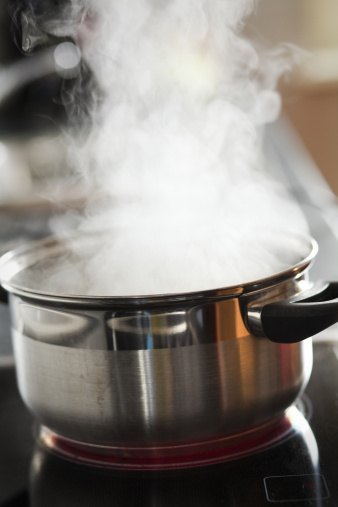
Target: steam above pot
point(172, 152)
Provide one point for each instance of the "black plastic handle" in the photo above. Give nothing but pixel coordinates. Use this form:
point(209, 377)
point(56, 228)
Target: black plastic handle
point(3, 295)
point(301, 316)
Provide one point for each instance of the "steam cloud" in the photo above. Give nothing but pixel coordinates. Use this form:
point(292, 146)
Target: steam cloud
point(174, 158)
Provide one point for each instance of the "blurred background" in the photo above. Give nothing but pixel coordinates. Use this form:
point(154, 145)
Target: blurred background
point(33, 157)
point(311, 97)
point(34, 167)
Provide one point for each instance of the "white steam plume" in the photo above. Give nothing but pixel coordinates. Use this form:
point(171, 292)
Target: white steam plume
point(174, 157)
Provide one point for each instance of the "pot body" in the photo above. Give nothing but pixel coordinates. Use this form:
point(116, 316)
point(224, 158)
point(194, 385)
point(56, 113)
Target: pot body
point(154, 375)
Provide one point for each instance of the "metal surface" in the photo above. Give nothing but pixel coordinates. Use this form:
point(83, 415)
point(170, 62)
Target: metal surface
point(150, 370)
point(152, 396)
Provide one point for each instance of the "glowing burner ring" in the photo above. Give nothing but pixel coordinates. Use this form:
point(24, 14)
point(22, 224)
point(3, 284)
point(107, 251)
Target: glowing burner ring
point(192, 454)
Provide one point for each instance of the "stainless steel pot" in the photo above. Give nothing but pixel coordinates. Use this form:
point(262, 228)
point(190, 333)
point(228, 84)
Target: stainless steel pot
point(166, 369)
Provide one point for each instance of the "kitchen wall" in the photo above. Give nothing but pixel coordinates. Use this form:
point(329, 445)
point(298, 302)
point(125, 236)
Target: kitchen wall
point(311, 96)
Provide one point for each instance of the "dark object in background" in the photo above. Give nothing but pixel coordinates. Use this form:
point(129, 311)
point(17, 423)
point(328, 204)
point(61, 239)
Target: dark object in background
point(35, 107)
point(48, 103)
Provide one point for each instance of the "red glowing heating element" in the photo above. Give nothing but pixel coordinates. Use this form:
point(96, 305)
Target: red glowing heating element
point(191, 454)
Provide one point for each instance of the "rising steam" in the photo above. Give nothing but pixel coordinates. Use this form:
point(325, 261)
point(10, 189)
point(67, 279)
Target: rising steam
point(174, 158)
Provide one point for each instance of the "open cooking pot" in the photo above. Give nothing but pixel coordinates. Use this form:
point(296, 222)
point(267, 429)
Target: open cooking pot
point(167, 369)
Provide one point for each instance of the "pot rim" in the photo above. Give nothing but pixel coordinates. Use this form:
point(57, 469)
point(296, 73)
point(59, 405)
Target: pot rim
point(15, 261)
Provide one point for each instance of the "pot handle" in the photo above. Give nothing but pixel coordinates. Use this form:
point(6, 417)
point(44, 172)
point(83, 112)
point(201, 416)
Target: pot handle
point(299, 317)
point(3, 295)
